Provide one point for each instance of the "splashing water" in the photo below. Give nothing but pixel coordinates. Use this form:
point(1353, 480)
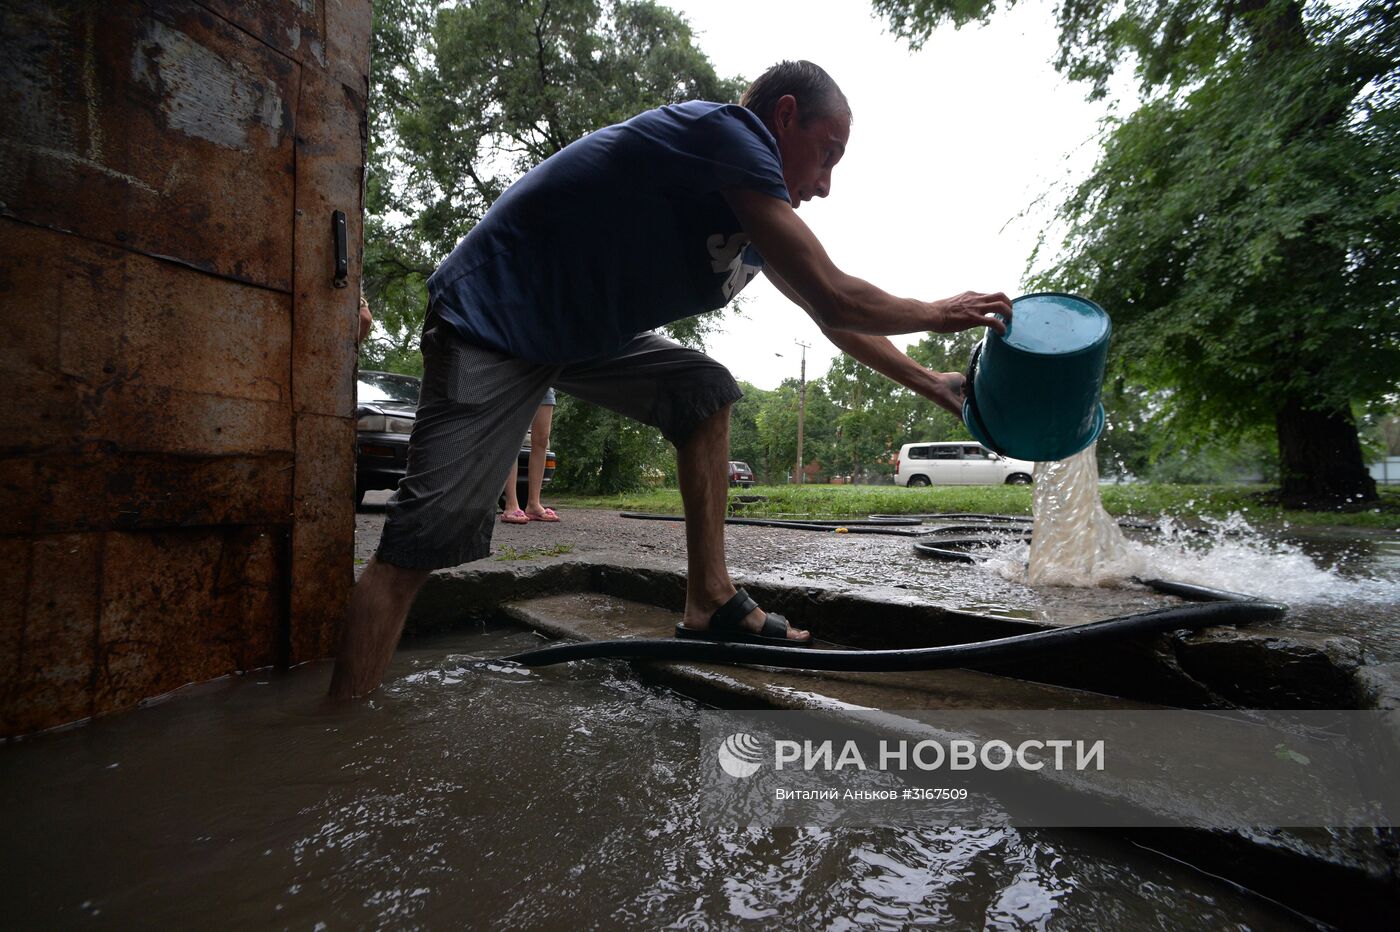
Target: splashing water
point(1230, 553)
point(1074, 541)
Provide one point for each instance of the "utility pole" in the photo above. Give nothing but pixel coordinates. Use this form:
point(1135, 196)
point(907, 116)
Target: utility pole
point(801, 408)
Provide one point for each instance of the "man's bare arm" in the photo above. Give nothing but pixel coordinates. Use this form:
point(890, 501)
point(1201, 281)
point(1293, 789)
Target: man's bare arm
point(837, 301)
point(880, 354)
point(944, 388)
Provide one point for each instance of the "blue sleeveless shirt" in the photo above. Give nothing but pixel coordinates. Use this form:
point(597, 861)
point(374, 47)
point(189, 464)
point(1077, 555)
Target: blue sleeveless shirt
point(620, 232)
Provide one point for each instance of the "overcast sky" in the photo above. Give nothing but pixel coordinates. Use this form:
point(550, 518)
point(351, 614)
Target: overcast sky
point(948, 146)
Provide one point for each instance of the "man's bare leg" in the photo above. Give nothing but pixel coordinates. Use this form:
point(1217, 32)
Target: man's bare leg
point(379, 603)
point(702, 468)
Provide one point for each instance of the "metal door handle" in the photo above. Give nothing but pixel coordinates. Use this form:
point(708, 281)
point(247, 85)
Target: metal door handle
point(342, 254)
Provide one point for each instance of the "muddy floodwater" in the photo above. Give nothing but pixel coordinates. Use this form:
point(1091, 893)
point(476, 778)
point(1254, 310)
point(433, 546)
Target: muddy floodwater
point(472, 794)
point(1335, 581)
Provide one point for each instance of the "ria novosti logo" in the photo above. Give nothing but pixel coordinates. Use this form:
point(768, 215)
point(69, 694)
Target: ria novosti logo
point(740, 755)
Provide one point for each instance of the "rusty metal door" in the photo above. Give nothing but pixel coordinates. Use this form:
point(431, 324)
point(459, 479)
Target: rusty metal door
point(176, 446)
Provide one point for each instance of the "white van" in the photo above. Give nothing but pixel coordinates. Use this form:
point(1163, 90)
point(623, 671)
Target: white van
point(963, 463)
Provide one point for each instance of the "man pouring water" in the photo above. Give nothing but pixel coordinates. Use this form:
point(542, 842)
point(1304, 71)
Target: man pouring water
point(643, 223)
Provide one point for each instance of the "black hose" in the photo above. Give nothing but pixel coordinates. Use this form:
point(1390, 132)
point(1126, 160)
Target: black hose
point(872, 521)
point(1018, 529)
point(1128, 523)
point(875, 524)
point(1194, 593)
point(889, 525)
point(855, 526)
point(878, 521)
point(946, 548)
point(958, 515)
point(1221, 608)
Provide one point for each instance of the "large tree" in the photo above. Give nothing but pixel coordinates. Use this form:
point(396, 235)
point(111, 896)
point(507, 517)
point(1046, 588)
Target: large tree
point(1242, 225)
point(876, 415)
point(396, 261)
point(776, 427)
point(745, 442)
point(466, 98)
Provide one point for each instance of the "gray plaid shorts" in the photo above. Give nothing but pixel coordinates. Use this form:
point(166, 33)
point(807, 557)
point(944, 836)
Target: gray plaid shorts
point(474, 409)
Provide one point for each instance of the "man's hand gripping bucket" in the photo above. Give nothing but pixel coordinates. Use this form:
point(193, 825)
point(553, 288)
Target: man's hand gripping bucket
point(1033, 394)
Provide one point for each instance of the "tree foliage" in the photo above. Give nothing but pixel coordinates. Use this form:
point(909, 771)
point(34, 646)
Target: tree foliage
point(465, 98)
point(509, 83)
point(1242, 225)
point(1169, 44)
point(603, 452)
point(396, 263)
point(744, 441)
point(856, 420)
point(876, 416)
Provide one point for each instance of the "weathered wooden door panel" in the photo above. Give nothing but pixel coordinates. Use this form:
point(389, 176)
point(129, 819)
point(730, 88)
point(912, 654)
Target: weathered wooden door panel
point(102, 315)
point(323, 533)
point(86, 644)
point(220, 595)
point(94, 490)
point(297, 29)
point(347, 30)
point(331, 137)
point(50, 627)
point(176, 492)
point(164, 130)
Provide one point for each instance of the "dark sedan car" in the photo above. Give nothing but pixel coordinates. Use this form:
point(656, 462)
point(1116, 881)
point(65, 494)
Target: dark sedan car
point(740, 474)
point(385, 406)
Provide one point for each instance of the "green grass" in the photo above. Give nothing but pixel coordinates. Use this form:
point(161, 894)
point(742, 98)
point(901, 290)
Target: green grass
point(1141, 500)
point(510, 553)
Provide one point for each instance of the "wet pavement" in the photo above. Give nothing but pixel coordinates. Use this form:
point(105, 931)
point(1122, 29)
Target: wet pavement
point(1335, 581)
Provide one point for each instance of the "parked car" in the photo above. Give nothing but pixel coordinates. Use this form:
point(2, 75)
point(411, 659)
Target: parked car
point(385, 406)
point(963, 463)
point(740, 474)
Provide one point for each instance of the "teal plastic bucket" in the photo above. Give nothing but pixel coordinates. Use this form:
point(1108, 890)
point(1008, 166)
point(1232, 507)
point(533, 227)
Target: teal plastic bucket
point(1033, 394)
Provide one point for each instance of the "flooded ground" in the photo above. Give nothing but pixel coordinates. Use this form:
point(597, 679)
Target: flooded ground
point(1333, 584)
point(471, 794)
point(1335, 581)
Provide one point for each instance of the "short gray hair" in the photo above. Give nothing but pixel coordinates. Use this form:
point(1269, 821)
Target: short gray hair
point(817, 95)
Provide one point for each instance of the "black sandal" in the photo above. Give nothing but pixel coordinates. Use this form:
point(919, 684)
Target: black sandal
point(724, 626)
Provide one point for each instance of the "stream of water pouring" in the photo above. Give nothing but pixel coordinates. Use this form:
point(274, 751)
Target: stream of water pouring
point(1074, 541)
